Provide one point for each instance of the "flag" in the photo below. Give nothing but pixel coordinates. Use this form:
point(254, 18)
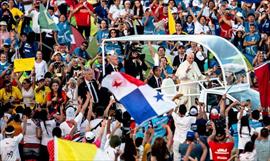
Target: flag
point(171, 22)
point(77, 39)
point(263, 78)
point(92, 49)
point(69, 150)
point(140, 100)
point(45, 20)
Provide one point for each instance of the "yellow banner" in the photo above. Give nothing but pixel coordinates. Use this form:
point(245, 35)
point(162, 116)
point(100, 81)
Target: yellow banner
point(26, 64)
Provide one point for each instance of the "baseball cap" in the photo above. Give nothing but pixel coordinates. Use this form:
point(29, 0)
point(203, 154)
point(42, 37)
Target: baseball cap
point(5, 2)
point(9, 130)
point(190, 135)
point(89, 136)
point(40, 78)
point(147, 9)
point(214, 114)
point(3, 23)
point(70, 113)
point(193, 111)
point(195, 3)
point(174, 10)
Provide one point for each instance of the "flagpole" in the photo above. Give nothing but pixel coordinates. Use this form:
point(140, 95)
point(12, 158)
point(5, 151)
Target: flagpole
point(103, 57)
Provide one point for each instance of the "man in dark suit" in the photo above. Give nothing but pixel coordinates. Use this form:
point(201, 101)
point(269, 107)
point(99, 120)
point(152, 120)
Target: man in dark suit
point(113, 65)
point(89, 85)
point(155, 80)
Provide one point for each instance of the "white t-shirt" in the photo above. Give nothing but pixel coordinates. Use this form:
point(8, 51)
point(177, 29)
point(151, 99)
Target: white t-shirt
point(41, 69)
point(248, 156)
point(66, 128)
point(245, 136)
point(182, 126)
point(47, 134)
point(30, 132)
point(199, 28)
point(28, 96)
point(115, 11)
point(35, 25)
point(9, 148)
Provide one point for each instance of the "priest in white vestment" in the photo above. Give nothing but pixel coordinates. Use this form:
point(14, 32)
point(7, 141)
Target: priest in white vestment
point(189, 71)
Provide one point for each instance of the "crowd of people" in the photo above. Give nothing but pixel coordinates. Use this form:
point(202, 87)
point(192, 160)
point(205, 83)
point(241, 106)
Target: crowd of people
point(62, 96)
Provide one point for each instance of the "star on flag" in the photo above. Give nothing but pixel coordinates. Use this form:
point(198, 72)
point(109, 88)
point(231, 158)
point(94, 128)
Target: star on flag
point(159, 96)
point(116, 83)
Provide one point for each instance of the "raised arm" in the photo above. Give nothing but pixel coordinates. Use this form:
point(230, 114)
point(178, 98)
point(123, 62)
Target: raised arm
point(212, 136)
point(106, 112)
point(151, 49)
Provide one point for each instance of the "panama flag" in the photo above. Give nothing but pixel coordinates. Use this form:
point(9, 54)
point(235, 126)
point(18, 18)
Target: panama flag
point(140, 100)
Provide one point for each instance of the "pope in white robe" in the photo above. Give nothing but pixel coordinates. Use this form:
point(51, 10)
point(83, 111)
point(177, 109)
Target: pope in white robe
point(189, 71)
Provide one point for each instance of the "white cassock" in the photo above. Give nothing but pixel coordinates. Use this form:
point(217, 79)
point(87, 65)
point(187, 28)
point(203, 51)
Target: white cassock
point(193, 74)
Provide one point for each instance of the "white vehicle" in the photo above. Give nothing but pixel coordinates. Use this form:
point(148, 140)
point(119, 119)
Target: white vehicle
point(229, 58)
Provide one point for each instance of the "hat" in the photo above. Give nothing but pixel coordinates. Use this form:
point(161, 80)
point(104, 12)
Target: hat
point(127, 1)
point(56, 53)
point(239, 14)
point(190, 135)
point(6, 44)
point(193, 111)
point(112, 53)
point(40, 78)
point(195, 3)
point(3, 23)
point(5, 2)
point(147, 9)
point(174, 10)
point(214, 114)
point(89, 135)
point(9, 130)
point(70, 113)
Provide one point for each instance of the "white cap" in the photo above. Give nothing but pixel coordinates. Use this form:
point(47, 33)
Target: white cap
point(70, 113)
point(147, 8)
point(195, 3)
point(3, 23)
point(89, 135)
point(174, 10)
point(239, 14)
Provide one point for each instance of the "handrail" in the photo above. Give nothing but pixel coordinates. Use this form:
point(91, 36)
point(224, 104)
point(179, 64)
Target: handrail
point(188, 83)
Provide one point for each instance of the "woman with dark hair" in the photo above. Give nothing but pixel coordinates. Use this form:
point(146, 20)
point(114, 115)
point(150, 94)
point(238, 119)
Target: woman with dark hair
point(249, 152)
point(56, 98)
point(114, 45)
point(32, 135)
point(47, 125)
point(159, 150)
point(238, 40)
point(130, 151)
point(27, 88)
point(244, 131)
point(138, 14)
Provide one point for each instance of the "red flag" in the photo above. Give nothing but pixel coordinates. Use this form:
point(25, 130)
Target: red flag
point(77, 39)
point(263, 78)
